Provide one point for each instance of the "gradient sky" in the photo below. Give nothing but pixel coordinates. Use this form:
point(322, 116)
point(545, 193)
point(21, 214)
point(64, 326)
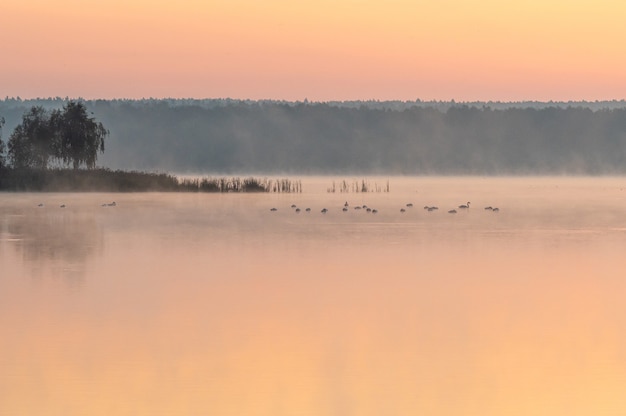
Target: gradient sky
point(321, 50)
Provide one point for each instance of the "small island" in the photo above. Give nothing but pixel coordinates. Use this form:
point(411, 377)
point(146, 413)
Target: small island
point(56, 151)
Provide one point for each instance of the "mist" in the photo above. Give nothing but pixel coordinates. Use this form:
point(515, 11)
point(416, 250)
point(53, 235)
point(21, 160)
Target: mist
point(368, 137)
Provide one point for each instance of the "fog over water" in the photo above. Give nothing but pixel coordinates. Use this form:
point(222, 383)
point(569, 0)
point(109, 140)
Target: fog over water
point(214, 304)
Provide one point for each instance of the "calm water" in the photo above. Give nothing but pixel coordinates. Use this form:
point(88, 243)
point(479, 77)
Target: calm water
point(212, 304)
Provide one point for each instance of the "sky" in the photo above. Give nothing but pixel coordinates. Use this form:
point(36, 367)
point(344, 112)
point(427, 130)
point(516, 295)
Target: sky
point(322, 50)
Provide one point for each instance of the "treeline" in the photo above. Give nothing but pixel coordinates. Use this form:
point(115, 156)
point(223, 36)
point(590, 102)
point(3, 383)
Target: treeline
point(369, 138)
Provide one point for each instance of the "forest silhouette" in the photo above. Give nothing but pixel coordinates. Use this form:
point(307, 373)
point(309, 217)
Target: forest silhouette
point(368, 137)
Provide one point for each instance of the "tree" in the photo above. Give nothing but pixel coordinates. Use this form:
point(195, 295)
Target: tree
point(32, 142)
point(78, 136)
point(1, 144)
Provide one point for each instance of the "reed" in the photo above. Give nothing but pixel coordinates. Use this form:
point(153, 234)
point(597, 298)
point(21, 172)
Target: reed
point(356, 186)
point(105, 180)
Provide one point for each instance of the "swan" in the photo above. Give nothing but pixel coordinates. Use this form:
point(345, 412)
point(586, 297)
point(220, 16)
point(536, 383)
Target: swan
point(452, 211)
point(402, 210)
point(409, 205)
point(274, 209)
point(308, 210)
point(324, 211)
point(465, 206)
point(298, 210)
point(344, 209)
point(496, 210)
point(489, 208)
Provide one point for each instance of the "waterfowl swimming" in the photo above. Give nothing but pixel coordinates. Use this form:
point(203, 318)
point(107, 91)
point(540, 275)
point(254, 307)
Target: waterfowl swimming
point(409, 205)
point(465, 206)
point(496, 209)
point(62, 206)
point(402, 210)
point(40, 205)
point(344, 209)
point(293, 205)
point(274, 209)
point(324, 211)
point(308, 210)
point(452, 211)
point(298, 210)
point(489, 208)
point(374, 211)
point(346, 204)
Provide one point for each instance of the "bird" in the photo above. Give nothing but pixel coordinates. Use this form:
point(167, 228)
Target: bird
point(308, 210)
point(62, 206)
point(297, 210)
point(344, 209)
point(369, 210)
point(374, 211)
point(112, 204)
point(452, 211)
point(40, 205)
point(293, 205)
point(357, 207)
point(465, 206)
point(409, 205)
point(489, 208)
point(496, 210)
point(346, 204)
point(274, 209)
point(324, 211)
point(402, 210)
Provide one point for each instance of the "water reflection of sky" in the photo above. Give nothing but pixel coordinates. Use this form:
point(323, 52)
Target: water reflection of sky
point(213, 304)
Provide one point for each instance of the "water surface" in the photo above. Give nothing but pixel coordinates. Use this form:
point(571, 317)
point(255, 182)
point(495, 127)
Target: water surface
point(213, 304)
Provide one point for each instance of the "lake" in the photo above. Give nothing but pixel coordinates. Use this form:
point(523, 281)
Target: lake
point(198, 304)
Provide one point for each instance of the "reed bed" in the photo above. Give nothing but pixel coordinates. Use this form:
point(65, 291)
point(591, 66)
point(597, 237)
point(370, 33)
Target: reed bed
point(105, 180)
point(356, 186)
point(237, 184)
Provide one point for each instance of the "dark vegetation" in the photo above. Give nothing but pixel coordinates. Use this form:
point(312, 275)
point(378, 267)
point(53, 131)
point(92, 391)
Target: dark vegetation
point(105, 180)
point(46, 141)
point(357, 186)
point(227, 137)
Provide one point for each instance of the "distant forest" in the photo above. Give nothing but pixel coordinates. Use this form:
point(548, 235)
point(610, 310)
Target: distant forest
point(226, 136)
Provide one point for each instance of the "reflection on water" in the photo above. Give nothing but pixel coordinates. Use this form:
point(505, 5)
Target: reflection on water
point(214, 304)
point(60, 242)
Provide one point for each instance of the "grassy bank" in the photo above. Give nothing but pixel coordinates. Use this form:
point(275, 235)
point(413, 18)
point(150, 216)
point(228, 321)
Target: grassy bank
point(105, 180)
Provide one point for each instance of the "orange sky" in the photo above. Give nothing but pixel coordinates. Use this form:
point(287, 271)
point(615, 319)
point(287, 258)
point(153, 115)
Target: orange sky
point(320, 50)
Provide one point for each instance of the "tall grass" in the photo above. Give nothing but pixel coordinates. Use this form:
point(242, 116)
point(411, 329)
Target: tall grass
point(105, 180)
point(357, 186)
point(237, 184)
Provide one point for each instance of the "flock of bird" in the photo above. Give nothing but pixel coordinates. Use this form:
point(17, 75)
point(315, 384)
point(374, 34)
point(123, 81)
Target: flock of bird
point(106, 204)
point(428, 208)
